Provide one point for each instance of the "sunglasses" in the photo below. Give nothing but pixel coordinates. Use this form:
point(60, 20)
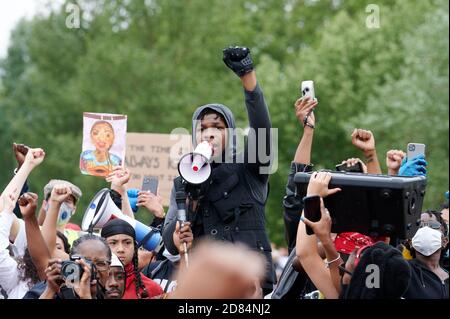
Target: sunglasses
point(430, 223)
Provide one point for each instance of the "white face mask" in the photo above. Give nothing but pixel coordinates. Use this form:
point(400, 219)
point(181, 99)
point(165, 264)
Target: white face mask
point(427, 241)
point(65, 212)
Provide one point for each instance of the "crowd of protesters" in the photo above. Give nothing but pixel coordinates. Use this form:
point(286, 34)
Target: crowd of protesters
point(230, 255)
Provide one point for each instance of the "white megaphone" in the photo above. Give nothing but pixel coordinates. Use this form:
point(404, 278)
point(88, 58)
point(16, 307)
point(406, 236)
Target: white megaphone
point(102, 209)
point(194, 167)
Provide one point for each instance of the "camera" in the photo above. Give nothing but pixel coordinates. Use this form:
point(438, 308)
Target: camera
point(73, 272)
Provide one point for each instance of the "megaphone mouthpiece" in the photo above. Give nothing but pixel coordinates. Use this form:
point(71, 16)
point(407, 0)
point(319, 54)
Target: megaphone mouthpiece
point(194, 167)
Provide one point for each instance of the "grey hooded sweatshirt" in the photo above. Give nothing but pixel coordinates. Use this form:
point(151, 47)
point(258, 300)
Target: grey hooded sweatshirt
point(232, 208)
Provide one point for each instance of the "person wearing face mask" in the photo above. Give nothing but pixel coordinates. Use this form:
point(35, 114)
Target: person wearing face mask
point(429, 280)
point(66, 210)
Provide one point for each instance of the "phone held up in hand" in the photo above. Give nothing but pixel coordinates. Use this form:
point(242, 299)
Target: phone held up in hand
point(150, 183)
point(311, 209)
point(415, 149)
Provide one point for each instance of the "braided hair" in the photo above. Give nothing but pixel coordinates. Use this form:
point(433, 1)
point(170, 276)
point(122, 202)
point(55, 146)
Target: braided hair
point(137, 276)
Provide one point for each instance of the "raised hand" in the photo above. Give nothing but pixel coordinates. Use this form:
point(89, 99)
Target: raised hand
point(304, 108)
point(20, 151)
point(322, 228)
point(60, 193)
point(34, 157)
point(394, 160)
point(363, 140)
point(152, 202)
point(119, 176)
point(28, 204)
point(318, 185)
point(238, 59)
point(416, 166)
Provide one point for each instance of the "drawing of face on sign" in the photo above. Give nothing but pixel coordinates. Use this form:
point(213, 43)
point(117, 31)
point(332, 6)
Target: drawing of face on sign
point(104, 137)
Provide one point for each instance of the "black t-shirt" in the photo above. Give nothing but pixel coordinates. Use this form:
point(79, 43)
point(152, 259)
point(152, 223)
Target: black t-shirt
point(162, 272)
point(425, 284)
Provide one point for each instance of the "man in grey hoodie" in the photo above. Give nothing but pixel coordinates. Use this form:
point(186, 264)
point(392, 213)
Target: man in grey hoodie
point(230, 205)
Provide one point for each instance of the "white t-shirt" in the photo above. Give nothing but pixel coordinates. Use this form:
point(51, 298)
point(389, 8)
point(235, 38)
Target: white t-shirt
point(10, 280)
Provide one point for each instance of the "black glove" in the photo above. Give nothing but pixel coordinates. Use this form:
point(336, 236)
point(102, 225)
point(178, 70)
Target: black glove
point(238, 59)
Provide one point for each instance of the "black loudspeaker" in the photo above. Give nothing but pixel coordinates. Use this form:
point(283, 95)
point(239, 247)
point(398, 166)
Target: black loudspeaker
point(374, 205)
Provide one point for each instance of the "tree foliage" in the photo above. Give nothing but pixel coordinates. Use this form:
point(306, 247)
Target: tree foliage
point(156, 61)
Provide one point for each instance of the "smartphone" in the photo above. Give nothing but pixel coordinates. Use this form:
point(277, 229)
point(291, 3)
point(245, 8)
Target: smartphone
point(357, 168)
point(150, 183)
point(312, 212)
point(307, 89)
point(415, 149)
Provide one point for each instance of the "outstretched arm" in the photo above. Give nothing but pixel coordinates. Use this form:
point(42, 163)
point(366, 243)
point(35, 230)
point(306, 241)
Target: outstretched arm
point(303, 107)
point(33, 158)
point(365, 141)
point(58, 195)
point(292, 202)
point(118, 178)
point(258, 154)
point(36, 244)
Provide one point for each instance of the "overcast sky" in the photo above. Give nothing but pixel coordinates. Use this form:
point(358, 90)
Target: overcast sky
point(11, 11)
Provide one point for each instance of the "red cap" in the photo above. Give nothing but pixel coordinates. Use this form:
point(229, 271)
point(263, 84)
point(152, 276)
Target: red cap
point(347, 242)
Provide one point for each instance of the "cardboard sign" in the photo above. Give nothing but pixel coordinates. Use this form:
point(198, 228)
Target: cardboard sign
point(104, 138)
point(157, 155)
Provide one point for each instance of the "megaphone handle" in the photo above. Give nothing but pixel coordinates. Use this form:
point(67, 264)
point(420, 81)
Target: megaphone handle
point(186, 258)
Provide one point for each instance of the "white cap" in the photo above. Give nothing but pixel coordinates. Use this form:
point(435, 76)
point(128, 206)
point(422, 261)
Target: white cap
point(115, 261)
point(427, 241)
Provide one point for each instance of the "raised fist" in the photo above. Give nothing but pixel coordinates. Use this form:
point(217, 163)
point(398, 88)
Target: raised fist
point(238, 59)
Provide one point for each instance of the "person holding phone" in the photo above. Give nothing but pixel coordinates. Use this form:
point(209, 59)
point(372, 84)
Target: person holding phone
point(148, 197)
point(414, 164)
point(304, 109)
point(406, 164)
point(325, 276)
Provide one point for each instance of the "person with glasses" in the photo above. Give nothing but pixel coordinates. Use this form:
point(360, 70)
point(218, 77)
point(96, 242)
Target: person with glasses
point(429, 279)
point(94, 256)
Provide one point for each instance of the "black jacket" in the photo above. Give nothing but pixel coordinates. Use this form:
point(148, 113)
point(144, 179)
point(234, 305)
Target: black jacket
point(424, 283)
point(293, 205)
point(234, 197)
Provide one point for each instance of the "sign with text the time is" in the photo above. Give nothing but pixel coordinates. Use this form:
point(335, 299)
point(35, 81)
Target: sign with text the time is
point(151, 154)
